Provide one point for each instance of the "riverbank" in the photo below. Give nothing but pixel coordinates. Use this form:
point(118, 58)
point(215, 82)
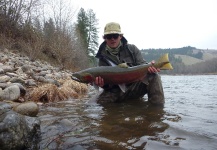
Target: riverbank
point(24, 85)
point(38, 81)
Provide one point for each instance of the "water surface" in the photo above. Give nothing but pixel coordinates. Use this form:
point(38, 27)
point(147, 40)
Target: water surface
point(187, 121)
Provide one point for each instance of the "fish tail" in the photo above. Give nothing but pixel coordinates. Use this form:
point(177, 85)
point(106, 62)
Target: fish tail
point(167, 66)
point(163, 63)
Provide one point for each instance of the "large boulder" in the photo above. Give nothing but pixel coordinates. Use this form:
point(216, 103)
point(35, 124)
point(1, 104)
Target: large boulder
point(17, 132)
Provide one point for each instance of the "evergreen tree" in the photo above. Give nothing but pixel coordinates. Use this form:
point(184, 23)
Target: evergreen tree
point(49, 30)
point(92, 33)
point(82, 28)
point(87, 32)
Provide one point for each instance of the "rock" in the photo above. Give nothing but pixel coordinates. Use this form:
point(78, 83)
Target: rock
point(4, 78)
point(11, 74)
point(18, 131)
point(4, 107)
point(17, 80)
point(30, 82)
point(3, 85)
point(39, 78)
point(28, 108)
point(7, 68)
point(19, 71)
point(10, 93)
point(43, 73)
point(22, 88)
point(1, 71)
point(52, 82)
point(3, 59)
point(78, 147)
point(26, 68)
point(66, 124)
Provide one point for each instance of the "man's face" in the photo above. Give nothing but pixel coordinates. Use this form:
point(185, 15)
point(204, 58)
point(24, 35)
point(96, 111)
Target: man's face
point(112, 40)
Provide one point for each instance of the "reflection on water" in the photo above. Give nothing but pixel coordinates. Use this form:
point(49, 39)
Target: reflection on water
point(187, 121)
point(124, 123)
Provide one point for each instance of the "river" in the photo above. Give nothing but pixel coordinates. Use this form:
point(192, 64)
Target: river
point(187, 121)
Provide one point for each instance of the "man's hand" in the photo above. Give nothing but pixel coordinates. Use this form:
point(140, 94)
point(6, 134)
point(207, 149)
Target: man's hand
point(152, 69)
point(99, 81)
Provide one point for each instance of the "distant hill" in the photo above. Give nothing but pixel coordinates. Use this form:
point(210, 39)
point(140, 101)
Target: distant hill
point(209, 54)
point(206, 55)
point(186, 60)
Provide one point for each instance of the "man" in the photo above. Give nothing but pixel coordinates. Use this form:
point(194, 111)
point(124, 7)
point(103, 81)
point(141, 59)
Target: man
point(115, 50)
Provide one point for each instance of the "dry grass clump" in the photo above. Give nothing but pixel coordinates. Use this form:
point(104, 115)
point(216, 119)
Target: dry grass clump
point(51, 93)
point(47, 93)
point(79, 88)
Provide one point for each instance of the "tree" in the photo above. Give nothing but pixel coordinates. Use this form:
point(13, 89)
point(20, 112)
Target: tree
point(82, 28)
point(46, 29)
point(92, 39)
point(62, 13)
point(14, 14)
point(86, 29)
point(49, 30)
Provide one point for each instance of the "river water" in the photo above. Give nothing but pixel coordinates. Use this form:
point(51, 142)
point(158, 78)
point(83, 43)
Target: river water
point(188, 120)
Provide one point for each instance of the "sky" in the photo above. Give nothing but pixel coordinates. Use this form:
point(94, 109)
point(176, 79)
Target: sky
point(159, 23)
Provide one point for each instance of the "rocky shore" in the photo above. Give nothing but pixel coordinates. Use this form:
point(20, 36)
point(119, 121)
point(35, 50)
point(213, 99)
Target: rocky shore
point(24, 84)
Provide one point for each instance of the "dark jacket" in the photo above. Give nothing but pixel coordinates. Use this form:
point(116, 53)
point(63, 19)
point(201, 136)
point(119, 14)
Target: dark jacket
point(128, 53)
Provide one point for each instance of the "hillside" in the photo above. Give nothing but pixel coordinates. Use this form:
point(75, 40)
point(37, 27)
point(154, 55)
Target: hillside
point(186, 60)
point(208, 54)
point(189, 60)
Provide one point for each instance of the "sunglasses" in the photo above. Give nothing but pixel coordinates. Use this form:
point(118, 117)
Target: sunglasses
point(110, 36)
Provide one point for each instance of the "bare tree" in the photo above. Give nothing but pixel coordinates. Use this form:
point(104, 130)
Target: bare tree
point(62, 42)
point(16, 12)
point(62, 12)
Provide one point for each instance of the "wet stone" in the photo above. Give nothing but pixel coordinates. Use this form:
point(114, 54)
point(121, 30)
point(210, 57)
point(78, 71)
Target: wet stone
point(17, 131)
point(27, 108)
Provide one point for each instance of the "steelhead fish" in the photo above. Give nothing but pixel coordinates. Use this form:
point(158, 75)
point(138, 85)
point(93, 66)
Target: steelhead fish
point(120, 74)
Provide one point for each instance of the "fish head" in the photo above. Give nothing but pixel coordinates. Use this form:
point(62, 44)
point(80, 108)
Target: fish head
point(83, 77)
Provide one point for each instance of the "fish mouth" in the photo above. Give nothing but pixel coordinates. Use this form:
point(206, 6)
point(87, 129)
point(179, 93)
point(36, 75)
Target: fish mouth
point(76, 79)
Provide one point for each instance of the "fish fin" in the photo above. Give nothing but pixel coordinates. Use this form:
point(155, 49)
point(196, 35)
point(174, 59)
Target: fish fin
point(123, 65)
point(164, 59)
point(95, 86)
point(122, 87)
point(167, 66)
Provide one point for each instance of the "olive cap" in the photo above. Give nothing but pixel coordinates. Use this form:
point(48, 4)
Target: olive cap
point(112, 28)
